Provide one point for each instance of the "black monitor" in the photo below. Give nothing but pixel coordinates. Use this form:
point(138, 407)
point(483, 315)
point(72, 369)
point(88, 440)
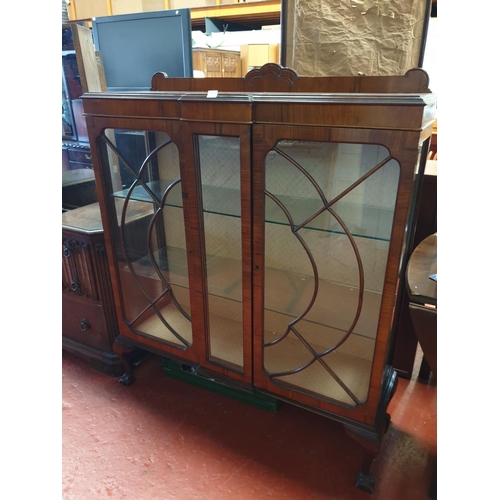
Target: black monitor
point(134, 47)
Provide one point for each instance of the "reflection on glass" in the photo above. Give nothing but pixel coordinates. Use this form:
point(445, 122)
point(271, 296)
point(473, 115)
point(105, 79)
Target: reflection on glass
point(149, 233)
point(329, 214)
point(67, 118)
point(220, 182)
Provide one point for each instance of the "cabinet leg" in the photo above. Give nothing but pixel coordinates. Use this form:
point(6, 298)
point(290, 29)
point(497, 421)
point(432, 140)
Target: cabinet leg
point(365, 479)
point(371, 440)
point(125, 352)
point(371, 445)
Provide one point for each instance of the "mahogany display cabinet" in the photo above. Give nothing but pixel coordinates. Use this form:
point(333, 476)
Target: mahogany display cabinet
point(280, 211)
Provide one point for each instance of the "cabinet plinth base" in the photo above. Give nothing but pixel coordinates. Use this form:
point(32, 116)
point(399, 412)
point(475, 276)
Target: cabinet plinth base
point(191, 376)
point(106, 362)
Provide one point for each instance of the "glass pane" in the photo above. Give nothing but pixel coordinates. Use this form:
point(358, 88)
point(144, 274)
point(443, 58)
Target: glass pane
point(329, 214)
point(220, 178)
point(149, 233)
point(68, 130)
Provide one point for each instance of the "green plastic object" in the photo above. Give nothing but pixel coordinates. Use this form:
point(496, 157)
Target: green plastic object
point(257, 399)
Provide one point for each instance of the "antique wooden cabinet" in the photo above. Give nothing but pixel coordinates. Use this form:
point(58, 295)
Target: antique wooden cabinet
point(281, 212)
point(217, 62)
point(89, 324)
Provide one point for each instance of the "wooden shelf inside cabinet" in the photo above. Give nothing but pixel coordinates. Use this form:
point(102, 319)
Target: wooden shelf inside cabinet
point(277, 218)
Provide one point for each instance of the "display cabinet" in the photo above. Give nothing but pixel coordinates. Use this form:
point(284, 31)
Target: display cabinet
point(280, 209)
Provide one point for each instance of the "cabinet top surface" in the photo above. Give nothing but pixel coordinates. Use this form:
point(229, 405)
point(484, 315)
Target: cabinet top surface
point(216, 50)
point(87, 219)
point(271, 97)
point(389, 111)
point(277, 95)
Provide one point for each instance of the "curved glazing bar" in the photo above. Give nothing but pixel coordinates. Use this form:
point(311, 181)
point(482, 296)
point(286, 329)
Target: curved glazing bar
point(152, 257)
point(329, 342)
point(151, 251)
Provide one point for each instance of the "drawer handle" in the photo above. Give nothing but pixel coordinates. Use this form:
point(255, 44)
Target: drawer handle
point(84, 325)
point(75, 285)
point(68, 250)
point(88, 157)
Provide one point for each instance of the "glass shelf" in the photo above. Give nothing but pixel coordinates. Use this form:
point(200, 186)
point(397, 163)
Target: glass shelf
point(361, 220)
point(287, 294)
point(226, 273)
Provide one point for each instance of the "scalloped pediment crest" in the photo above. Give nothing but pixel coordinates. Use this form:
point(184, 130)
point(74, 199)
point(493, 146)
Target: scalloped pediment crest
point(272, 70)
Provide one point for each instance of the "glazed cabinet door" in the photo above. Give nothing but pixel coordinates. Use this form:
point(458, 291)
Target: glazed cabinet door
point(147, 213)
point(324, 211)
point(178, 203)
point(220, 167)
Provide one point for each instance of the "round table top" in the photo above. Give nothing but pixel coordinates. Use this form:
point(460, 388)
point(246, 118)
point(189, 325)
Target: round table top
point(422, 264)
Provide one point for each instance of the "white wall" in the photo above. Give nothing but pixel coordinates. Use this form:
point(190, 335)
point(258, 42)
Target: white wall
point(233, 39)
point(430, 63)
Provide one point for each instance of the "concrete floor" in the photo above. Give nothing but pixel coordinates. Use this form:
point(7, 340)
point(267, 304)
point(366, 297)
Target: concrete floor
point(165, 439)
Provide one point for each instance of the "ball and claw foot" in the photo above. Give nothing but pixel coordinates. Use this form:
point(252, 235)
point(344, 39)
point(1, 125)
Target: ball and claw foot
point(365, 482)
point(127, 379)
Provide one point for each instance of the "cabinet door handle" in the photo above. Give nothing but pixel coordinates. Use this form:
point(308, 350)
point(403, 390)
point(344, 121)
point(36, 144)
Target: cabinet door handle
point(75, 285)
point(84, 325)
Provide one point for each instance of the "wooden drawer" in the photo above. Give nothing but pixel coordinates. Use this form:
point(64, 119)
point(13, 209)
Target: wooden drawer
point(85, 323)
point(75, 165)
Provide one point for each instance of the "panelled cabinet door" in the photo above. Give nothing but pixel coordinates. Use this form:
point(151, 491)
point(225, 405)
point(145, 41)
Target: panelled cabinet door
point(324, 211)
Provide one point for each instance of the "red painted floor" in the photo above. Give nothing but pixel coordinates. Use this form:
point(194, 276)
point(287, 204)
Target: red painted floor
point(164, 439)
